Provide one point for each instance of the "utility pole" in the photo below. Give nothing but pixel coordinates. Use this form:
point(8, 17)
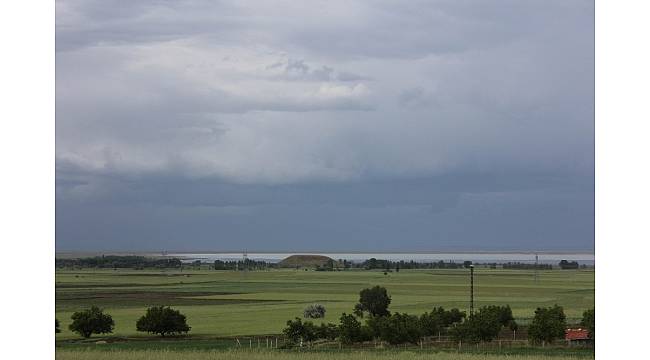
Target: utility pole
point(471, 290)
point(536, 269)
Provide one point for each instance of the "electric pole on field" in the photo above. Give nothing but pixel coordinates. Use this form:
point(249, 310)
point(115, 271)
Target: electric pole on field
point(471, 290)
point(245, 260)
point(536, 269)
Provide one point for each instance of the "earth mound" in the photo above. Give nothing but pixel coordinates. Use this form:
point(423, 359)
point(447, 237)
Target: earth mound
point(305, 261)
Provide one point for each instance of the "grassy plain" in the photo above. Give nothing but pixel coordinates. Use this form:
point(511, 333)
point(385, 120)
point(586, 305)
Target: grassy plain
point(229, 303)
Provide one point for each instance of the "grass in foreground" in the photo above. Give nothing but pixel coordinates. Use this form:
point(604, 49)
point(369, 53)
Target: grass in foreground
point(281, 355)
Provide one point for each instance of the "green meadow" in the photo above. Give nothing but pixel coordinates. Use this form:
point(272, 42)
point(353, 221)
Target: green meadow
point(230, 303)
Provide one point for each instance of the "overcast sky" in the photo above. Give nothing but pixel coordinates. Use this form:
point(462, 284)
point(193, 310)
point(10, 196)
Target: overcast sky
point(324, 125)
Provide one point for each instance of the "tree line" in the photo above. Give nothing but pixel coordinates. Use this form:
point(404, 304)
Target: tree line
point(141, 262)
point(372, 320)
point(119, 262)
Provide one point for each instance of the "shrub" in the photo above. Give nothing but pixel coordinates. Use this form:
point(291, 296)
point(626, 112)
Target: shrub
point(56, 326)
point(91, 321)
point(315, 311)
point(374, 301)
point(547, 325)
point(163, 321)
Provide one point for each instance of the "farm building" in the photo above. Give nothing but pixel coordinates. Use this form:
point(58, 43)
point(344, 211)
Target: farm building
point(577, 336)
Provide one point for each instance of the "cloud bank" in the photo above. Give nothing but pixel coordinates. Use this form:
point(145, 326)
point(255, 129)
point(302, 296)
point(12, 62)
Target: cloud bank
point(324, 125)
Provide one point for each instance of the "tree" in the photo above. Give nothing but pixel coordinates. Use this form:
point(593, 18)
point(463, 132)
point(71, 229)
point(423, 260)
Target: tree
point(589, 321)
point(453, 316)
point(56, 326)
point(327, 331)
point(297, 331)
point(502, 313)
point(484, 325)
point(374, 326)
point(547, 325)
point(401, 328)
point(349, 329)
point(568, 265)
point(315, 311)
point(439, 318)
point(91, 321)
point(163, 321)
point(374, 301)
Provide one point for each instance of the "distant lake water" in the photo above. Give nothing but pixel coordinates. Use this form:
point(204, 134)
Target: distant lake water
point(478, 257)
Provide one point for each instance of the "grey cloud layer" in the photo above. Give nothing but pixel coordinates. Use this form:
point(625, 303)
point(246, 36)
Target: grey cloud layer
point(259, 101)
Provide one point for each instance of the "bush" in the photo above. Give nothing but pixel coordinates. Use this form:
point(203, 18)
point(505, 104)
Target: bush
point(162, 320)
point(350, 329)
point(315, 311)
point(56, 326)
point(91, 321)
point(374, 301)
point(589, 321)
point(547, 325)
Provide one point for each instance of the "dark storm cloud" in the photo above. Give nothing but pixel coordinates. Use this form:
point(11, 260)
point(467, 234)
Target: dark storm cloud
point(324, 125)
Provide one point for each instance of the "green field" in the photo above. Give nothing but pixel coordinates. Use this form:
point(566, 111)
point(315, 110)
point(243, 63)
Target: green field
point(229, 303)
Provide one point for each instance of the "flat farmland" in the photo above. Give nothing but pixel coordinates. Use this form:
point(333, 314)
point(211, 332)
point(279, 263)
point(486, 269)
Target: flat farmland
point(229, 303)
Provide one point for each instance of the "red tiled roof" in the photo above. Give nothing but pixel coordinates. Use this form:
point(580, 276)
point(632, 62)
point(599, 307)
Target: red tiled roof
point(576, 334)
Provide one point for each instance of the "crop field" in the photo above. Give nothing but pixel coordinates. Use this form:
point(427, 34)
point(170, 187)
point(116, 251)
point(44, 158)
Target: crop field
point(230, 303)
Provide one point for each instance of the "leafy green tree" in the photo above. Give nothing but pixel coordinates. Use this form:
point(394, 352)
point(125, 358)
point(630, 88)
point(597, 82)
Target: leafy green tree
point(547, 325)
point(327, 331)
point(163, 321)
point(589, 321)
point(374, 326)
point(452, 316)
point(350, 329)
point(297, 330)
point(484, 325)
point(401, 328)
point(439, 319)
point(91, 321)
point(374, 301)
point(56, 324)
point(502, 313)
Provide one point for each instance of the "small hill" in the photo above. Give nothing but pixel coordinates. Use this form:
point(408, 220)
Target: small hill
point(305, 261)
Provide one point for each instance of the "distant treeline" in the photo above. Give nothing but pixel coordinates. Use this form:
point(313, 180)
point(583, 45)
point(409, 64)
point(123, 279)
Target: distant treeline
point(246, 264)
point(391, 266)
point(373, 263)
point(524, 266)
point(119, 262)
point(141, 262)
